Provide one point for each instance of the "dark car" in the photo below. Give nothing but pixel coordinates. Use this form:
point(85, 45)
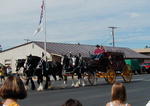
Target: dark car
point(145, 67)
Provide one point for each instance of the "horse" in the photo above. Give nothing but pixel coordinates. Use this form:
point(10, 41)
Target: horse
point(73, 65)
point(55, 69)
point(37, 66)
point(30, 66)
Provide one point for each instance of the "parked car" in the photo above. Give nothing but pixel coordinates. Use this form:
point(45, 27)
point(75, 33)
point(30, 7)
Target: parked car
point(145, 67)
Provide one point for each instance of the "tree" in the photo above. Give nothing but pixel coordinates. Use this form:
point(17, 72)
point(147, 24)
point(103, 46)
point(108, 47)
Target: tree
point(146, 46)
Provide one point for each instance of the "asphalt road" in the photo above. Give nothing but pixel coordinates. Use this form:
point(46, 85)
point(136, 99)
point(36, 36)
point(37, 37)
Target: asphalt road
point(138, 93)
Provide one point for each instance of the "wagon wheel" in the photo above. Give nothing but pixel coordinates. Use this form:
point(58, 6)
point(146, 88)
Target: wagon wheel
point(110, 76)
point(127, 73)
point(91, 78)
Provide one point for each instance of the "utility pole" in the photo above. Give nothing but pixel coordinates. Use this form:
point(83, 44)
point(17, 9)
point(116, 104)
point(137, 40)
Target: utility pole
point(113, 34)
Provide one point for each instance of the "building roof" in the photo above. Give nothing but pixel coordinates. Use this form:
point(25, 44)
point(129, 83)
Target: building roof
point(63, 48)
point(75, 49)
point(143, 50)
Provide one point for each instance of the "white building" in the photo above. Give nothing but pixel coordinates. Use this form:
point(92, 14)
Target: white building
point(9, 56)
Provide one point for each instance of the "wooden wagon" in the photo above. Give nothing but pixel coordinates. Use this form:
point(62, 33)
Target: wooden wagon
point(116, 67)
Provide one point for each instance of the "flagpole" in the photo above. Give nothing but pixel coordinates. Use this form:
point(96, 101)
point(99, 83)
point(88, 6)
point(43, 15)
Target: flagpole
point(45, 31)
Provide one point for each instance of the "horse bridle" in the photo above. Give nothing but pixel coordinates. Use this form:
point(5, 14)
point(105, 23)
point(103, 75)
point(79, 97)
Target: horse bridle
point(40, 64)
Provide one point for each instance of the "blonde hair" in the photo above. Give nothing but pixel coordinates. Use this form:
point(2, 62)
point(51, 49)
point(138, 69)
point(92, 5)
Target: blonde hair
point(13, 88)
point(118, 92)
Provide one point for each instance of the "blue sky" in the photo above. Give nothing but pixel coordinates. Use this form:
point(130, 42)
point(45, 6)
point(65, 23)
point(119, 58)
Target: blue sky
point(77, 21)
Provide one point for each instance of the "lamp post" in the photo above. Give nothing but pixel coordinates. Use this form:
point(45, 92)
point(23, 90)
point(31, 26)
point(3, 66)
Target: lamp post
point(113, 34)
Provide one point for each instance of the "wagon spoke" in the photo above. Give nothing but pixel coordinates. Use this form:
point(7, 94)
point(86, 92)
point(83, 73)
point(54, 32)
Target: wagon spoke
point(127, 73)
point(111, 76)
point(91, 78)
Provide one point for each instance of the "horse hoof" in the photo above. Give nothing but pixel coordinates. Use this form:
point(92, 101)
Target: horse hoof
point(83, 85)
point(26, 87)
point(50, 87)
point(76, 86)
point(63, 86)
point(72, 85)
point(40, 89)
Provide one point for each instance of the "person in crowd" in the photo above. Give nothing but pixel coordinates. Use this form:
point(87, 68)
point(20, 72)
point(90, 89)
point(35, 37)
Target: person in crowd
point(98, 52)
point(9, 71)
point(12, 90)
point(72, 102)
point(2, 74)
point(118, 95)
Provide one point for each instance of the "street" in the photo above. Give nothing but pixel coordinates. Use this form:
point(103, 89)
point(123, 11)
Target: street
point(138, 94)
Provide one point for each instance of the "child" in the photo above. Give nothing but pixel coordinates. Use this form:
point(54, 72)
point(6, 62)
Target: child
point(118, 95)
point(12, 90)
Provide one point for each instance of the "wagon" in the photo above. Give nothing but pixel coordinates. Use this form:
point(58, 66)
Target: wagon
point(115, 67)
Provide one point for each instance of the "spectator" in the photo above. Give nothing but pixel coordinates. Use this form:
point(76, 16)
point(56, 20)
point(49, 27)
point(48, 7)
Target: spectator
point(118, 95)
point(72, 102)
point(2, 74)
point(9, 71)
point(12, 90)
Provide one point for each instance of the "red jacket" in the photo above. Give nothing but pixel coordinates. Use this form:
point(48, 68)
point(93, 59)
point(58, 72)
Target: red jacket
point(99, 51)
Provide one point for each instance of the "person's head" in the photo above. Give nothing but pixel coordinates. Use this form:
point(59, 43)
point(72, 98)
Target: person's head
point(98, 46)
point(118, 92)
point(70, 54)
point(102, 47)
point(79, 54)
point(72, 102)
point(13, 88)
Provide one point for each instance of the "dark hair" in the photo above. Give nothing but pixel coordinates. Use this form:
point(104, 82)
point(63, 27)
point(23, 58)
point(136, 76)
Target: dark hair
point(13, 88)
point(72, 102)
point(97, 46)
point(118, 92)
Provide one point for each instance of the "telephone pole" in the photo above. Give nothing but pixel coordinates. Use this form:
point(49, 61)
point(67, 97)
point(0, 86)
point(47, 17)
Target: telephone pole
point(113, 34)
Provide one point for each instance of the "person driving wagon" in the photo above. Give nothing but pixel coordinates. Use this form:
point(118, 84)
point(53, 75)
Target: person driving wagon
point(98, 52)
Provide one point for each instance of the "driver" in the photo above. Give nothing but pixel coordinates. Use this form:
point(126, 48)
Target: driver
point(98, 52)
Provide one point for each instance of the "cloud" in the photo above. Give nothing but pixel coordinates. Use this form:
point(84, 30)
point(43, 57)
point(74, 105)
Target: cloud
point(134, 15)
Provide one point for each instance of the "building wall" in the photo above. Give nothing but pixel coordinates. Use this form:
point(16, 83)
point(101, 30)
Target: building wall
point(9, 57)
point(145, 51)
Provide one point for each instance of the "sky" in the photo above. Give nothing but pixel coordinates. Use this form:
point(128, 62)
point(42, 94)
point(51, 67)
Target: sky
point(76, 21)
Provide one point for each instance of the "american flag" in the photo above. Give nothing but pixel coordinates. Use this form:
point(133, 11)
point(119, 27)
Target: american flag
point(41, 17)
point(42, 9)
